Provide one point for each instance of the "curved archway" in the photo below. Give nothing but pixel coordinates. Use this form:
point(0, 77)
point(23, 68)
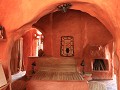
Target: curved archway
point(91, 8)
point(73, 23)
point(30, 15)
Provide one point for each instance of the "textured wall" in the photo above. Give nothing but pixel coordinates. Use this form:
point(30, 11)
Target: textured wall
point(106, 54)
point(22, 13)
point(84, 28)
point(27, 46)
point(30, 45)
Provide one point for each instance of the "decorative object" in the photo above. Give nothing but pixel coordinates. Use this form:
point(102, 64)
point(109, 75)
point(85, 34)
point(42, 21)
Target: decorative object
point(83, 64)
point(33, 67)
point(42, 38)
point(41, 53)
point(64, 7)
point(1, 32)
point(100, 65)
point(87, 76)
point(67, 46)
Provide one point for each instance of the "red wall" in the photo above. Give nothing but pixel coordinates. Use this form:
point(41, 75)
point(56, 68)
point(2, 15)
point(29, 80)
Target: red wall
point(29, 45)
point(73, 24)
point(84, 28)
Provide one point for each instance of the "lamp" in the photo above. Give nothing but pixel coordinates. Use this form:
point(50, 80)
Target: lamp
point(1, 27)
point(33, 65)
point(42, 38)
point(64, 7)
point(83, 64)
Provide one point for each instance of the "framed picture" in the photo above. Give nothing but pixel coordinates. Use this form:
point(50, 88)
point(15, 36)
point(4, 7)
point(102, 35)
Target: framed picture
point(67, 46)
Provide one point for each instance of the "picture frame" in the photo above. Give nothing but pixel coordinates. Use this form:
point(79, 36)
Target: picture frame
point(67, 46)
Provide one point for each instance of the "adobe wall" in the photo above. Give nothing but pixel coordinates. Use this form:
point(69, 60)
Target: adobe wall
point(84, 28)
point(20, 13)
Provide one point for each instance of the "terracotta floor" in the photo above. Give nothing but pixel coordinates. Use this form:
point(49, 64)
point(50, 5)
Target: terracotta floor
point(57, 70)
point(19, 83)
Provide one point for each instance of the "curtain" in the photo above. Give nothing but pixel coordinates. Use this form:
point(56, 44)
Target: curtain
point(16, 62)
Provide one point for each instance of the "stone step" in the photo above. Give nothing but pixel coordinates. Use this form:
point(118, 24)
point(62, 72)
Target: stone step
point(64, 64)
point(43, 75)
point(57, 65)
point(58, 69)
point(56, 61)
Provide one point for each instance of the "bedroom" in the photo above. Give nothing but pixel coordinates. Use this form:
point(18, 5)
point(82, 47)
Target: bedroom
point(88, 33)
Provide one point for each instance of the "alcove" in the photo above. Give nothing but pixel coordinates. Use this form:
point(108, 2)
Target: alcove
point(100, 65)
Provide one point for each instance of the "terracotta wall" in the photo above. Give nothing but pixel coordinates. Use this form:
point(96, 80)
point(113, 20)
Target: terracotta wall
point(84, 28)
point(30, 45)
point(106, 54)
point(27, 47)
point(109, 16)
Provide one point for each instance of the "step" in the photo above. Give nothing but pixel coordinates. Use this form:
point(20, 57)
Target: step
point(57, 69)
point(55, 61)
point(43, 75)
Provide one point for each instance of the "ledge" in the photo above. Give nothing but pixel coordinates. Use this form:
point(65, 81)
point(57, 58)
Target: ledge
point(3, 40)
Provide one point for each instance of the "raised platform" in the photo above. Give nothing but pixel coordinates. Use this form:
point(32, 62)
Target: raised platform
point(63, 64)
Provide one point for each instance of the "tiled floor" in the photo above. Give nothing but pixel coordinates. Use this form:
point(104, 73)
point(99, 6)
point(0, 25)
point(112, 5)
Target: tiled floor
point(110, 84)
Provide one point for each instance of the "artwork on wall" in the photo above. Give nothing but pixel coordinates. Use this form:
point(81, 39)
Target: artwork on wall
point(67, 46)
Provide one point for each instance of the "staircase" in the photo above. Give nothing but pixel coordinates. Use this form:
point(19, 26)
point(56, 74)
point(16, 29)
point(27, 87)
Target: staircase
point(57, 65)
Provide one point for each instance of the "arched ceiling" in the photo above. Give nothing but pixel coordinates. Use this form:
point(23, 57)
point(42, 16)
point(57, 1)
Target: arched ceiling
point(16, 13)
point(58, 21)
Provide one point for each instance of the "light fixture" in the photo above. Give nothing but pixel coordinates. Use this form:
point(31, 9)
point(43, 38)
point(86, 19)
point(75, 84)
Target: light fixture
point(83, 64)
point(42, 38)
point(64, 7)
point(33, 67)
point(1, 27)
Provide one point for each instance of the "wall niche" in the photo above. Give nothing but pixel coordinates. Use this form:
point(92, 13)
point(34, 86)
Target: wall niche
point(2, 33)
point(98, 60)
point(100, 65)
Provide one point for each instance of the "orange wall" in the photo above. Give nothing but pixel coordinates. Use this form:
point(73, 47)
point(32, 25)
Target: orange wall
point(30, 45)
point(84, 28)
point(73, 24)
point(27, 46)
